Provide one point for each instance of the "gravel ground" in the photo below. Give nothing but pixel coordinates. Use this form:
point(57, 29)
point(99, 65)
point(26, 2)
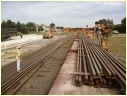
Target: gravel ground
point(7, 52)
point(41, 82)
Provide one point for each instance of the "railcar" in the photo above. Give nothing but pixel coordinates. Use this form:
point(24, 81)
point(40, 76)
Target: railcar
point(8, 32)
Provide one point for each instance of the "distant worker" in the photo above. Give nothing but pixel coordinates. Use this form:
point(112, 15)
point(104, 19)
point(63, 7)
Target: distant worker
point(104, 32)
point(97, 30)
point(100, 30)
point(21, 35)
point(95, 27)
point(18, 58)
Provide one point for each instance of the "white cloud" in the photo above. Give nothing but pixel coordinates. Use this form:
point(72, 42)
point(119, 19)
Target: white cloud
point(76, 14)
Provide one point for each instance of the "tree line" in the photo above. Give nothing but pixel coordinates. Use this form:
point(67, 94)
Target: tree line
point(27, 28)
point(120, 27)
point(30, 27)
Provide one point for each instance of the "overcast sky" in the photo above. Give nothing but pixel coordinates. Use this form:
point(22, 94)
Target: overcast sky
point(67, 14)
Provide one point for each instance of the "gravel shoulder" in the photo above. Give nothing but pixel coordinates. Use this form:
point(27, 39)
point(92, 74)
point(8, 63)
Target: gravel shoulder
point(29, 44)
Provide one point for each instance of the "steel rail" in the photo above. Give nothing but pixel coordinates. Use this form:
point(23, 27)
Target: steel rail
point(104, 69)
point(6, 85)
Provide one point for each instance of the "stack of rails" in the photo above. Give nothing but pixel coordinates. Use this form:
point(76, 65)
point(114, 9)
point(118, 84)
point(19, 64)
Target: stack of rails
point(97, 67)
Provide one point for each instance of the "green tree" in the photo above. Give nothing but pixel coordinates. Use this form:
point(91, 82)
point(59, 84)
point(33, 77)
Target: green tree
point(117, 27)
point(10, 23)
point(108, 21)
point(24, 29)
point(3, 24)
point(13, 24)
point(52, 25)
point(123, 25)
point(40, 28)
point(31, 26)
point(59, 27)
point(18, 26)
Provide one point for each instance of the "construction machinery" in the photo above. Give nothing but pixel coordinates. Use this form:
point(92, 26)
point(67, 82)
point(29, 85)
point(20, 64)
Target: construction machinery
point(48, 35)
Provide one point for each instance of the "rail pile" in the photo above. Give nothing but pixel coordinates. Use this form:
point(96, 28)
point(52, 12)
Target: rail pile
point(97, 67)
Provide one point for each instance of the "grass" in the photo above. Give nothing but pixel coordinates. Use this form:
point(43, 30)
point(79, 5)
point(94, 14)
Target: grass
point(117, 45)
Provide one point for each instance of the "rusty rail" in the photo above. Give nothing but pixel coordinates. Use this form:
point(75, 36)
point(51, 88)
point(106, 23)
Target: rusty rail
point(99, 68)
point(35, 59)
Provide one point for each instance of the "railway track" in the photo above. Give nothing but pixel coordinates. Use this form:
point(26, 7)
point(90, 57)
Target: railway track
point(95, 66)
point(30, 65)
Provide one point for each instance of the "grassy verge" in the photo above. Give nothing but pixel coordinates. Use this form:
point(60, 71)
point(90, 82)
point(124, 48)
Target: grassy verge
point(117, 45)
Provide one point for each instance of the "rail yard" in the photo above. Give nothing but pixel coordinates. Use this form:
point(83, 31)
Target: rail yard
point(69, 64)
